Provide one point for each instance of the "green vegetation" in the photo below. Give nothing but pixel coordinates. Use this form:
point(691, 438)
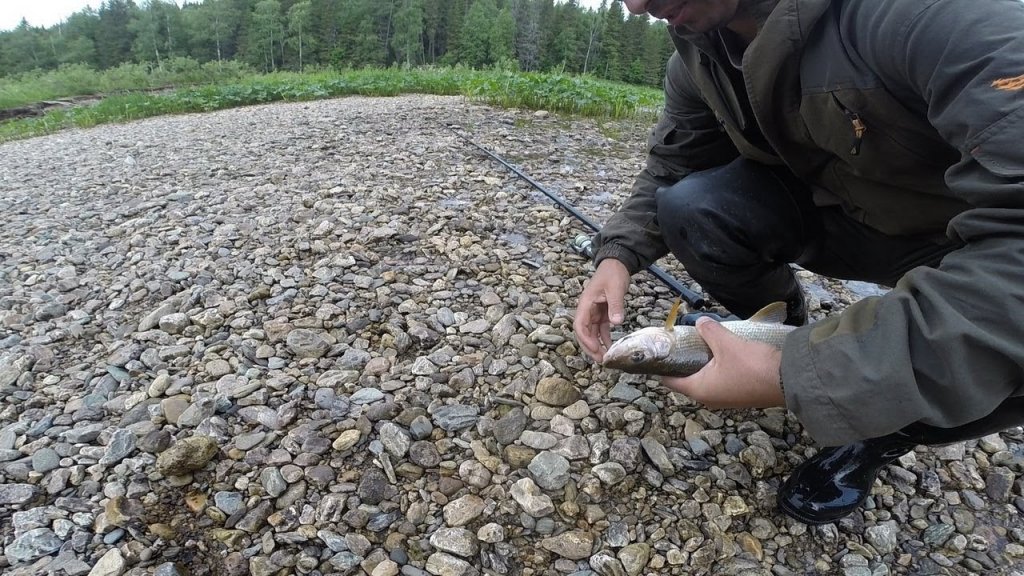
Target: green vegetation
point(295, 35)
point(557, 92)
point(81, 80)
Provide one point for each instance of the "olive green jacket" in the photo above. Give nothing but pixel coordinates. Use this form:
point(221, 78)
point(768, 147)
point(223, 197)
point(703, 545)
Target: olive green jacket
point(910, 115)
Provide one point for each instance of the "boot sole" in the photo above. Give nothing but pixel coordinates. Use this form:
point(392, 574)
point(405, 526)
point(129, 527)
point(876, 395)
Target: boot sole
point(801, 517)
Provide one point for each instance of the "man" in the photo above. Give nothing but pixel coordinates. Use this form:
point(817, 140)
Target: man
point(869, 140)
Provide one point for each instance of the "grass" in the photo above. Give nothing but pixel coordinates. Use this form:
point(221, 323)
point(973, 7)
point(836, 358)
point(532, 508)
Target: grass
point(581, 95)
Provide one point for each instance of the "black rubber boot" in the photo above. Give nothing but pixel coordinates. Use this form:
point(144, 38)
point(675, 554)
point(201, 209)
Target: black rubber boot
point(836, 481)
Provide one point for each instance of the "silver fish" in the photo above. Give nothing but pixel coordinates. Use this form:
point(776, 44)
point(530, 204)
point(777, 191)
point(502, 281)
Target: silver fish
point(680, 351)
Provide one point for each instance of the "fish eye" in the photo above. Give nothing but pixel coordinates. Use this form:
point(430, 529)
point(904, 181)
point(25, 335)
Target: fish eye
point(637, 357)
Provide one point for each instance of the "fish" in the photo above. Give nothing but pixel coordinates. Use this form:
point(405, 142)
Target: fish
point(671, 350)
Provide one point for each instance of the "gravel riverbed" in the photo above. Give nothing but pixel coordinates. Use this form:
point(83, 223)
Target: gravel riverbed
point(332, 338)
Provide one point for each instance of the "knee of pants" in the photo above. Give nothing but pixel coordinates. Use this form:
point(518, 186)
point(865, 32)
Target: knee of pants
point(726, 223)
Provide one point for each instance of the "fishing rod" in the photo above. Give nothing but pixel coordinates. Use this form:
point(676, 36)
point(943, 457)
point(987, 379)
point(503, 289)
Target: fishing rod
point(582, 243)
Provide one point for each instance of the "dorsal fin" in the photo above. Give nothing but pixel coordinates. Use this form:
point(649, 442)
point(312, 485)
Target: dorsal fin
point(670, 322)
point(774, 313)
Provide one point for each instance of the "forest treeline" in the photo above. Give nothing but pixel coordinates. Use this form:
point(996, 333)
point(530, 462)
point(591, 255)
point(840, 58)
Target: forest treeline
point(269, 35)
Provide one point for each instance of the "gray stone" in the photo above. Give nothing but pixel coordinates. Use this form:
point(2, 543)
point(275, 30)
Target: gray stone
point(626, 451)
point(421, 428)
point(509, 427)
point(273, 481)
point(45, 460)
point(454, 417)
point(463, 510)
point(624, 392)
point(441, 564)
point(307, 344)
point(999, 483)
point(196, 413)
point(33, 544)
point(395, 439)
point(424, 454)
point(121, 445)
point(529, 497)
point(83, 434)
point(884, 537)
point(606, 565)
point(174, 323)
point(374, 486)
point(111, 564)
point(455, 540)
point(574, 544)
point(538, 440)
point(610, 473)
point(937, 534)
point(345, 561)
point(366, 396)
point(16, 493)
point(635, 557)
point(659, 456)
point(170, 569)
point(229, 502)
point(550, 471)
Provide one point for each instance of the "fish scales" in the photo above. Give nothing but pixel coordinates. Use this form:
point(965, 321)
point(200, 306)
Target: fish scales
point(680, 351)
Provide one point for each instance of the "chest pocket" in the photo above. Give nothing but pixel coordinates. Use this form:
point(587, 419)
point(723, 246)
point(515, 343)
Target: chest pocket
point(878, 139)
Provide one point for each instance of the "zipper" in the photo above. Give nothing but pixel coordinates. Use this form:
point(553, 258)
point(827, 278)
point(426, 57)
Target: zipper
point(859, 127)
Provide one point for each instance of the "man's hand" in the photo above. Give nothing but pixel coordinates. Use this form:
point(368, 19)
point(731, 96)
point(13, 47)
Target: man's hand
point(742, 374)
point(600, 307)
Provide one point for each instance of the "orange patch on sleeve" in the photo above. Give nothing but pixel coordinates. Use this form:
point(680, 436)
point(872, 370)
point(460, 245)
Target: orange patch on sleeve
point(1009, 83)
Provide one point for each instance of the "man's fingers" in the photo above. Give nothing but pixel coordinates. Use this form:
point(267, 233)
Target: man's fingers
point(716, 335)
point(616, 313)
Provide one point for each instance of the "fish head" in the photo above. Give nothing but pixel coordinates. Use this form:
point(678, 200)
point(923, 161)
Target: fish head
point(643, 348)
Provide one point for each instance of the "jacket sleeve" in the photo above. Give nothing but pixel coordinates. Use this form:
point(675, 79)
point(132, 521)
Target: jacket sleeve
point(944, 347)
point(686, 138)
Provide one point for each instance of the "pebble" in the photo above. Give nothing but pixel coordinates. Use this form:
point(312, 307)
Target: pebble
point(462, 511)
point(33, 544)
point(529, 497)
point(187, 455)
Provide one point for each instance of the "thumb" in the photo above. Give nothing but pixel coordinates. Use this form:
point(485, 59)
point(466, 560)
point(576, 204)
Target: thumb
point(615, 306)
point(713, 333)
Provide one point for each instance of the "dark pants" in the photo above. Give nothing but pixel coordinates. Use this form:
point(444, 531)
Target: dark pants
point(737, 228)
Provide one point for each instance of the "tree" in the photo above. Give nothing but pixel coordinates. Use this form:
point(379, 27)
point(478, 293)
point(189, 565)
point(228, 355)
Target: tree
point(113, 37)
point(407, 40)
point(266, 33)
point(502, 46)
point(152, 33)
point(23, 50)
point(300, 24)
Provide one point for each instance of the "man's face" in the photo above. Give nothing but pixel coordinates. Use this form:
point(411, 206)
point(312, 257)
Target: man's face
point(694, 15)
